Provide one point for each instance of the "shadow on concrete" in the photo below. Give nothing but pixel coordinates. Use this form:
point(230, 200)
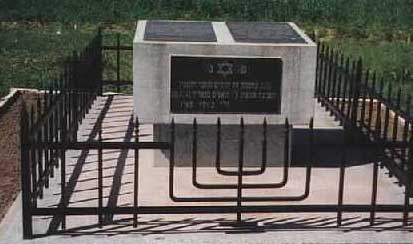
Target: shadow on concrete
point(328, 146)
point(229, 226)
point(81, 161)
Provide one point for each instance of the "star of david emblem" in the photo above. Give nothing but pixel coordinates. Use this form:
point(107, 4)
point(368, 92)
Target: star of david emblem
point(225, 69)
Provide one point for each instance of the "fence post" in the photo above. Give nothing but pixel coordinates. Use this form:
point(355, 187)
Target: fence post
point(25, 176)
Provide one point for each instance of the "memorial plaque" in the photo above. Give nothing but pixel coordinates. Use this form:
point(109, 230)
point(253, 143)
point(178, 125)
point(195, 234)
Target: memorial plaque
point(225, 85)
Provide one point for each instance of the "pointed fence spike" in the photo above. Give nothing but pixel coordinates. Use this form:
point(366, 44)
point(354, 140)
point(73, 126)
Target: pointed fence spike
point(195, 123)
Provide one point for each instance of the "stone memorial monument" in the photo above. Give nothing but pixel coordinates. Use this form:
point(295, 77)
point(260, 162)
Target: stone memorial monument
point(204, 70)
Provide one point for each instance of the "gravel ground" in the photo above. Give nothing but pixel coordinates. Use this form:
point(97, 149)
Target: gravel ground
point(10, 154)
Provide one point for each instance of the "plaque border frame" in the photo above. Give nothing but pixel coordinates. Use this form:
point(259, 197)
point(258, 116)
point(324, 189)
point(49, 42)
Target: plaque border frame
point(224, 56)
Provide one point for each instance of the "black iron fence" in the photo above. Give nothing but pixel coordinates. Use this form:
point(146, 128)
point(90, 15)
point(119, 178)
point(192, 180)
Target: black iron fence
point(55, 119)
point(49, 130)
point(357, 98)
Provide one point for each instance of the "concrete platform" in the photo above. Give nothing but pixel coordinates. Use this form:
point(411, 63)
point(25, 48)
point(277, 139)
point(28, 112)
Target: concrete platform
point(271, 228)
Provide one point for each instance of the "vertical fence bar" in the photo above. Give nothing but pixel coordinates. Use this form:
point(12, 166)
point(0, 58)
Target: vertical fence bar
point(46, 140)
point(321, 72)
point(325, 73)
point(372, 94)
point(40, 150)
point(364, 97)
point(352, 82)
point(396, 115)
point(311, 158)
point(406, 131)
point(33, 156)
point(240, 172)
point(75, 114)
point(25, 176)
point(342, 175)
point(118, 62)
point(346, 76)
point(340, 81)
point(194, 150)
point(100, 178)
point(136, 177)
point(69, 110)
point(317, 79)
point(356, 93)
point(264, 143)
point(63, 139)
point(58, 116)
point(350, 91)
point(172, 159)
point(218, 146)
point(52, 131)
point(334, 78)
point(378, 150)
point(331, 64)
point(408, 185)
point(387, 114)
point(378, 111)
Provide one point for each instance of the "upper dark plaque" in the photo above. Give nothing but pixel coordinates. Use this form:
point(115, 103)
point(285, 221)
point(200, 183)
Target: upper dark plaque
point(179, 31)
point(264, 32)
point(225, 85)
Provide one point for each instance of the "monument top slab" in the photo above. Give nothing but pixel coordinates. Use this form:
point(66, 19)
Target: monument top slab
point(180, 31)
point(241, 33)
point(264, 32)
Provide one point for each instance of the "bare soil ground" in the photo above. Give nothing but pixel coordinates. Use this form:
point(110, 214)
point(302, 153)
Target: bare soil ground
point(10, 153)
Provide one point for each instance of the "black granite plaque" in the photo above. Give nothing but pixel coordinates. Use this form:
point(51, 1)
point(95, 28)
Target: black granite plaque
point(264, 32)
point(225, 85)
point(179, 31)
